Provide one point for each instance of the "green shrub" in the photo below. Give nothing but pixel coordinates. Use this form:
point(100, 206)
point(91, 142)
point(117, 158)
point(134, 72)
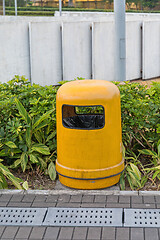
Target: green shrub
point(23, 144)
point(37, 103)
point(31, 13)
point(140, 109)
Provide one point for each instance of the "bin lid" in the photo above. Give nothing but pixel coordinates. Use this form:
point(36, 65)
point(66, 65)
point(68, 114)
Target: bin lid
point(87, 91)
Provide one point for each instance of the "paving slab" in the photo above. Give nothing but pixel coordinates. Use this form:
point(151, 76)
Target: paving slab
point(71, 198)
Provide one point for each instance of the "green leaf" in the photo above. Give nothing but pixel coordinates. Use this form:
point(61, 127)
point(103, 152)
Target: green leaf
point(25, 185)
point(158, 150)
point(52, 171)
point(38, 136)
point(16, 163)
point(41, 125)
point(144, 180)
point(123, 151)
point(130, 182)
point(155, 174)
point(4, 152)
point(15, 181)
point(42, 118)
point(135, 180)
point(24, 161)
point(10, 144)
point(23, 112)
point(5, 171)
point(41, 148)
point(28, 137)
point(148, 152)
point(3, 183)
point(33, 158)
point(52, 135)
point(42, 163)
point(122, 182)
point(135, 170)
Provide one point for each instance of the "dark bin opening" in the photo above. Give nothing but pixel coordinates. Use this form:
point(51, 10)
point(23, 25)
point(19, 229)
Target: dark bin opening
point(75, 117)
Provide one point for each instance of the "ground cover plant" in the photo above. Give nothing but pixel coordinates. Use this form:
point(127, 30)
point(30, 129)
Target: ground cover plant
point(50, 11)
point(28, 132)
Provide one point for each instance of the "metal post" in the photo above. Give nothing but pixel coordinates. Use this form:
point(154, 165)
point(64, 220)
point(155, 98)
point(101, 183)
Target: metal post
point(120, 40)
point(60, 7)
point(4, 12)
point(15, 3)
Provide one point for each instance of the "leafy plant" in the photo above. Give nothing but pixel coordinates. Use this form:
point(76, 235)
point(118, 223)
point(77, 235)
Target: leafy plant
point(138, 124)
point(134, 172)
point(30, 151)
point(28, 128)
point(5, 173)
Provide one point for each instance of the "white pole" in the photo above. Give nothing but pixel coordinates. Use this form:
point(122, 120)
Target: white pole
point(120, 40)
point(15, 3)
point(4, 12)
point(60, 7)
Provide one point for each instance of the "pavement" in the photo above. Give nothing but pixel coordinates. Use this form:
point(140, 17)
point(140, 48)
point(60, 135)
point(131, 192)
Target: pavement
point(77, 199)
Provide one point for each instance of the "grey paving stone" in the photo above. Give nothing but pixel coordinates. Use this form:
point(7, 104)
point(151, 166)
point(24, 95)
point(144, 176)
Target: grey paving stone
point(1, 230)
point(137, 234)
point(19, 204)
point(157, 198)
point(142, 205)
point(65, 205)
point(66, 233)
point(112, 199)
point(28, 198)
point(21, 239)
point(10, 232)
point(158, 205)
point(94, 233)
point(93, 205)
point(52, 198)
point(3, 204)
point(5, 197)
point(23, 232)
point(37, 233)
point(122, 234)
point(148, 199)
point(64, 198)
point(124, 199)
point(7, 239)
point(100, 199)
point(76, 198)
point(108, 233)
point(40, 198)
point(80, 233)
point(151, 234)
point(88, 198)
point(118, 205)
point(51, 233)
point(43, 204)
point(16, 198)
point(136, 199)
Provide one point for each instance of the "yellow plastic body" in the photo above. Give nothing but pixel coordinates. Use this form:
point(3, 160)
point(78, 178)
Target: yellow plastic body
point(90, 159)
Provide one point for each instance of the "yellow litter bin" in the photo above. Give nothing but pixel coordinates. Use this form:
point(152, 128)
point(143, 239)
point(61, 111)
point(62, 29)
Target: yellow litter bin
point(89, 136)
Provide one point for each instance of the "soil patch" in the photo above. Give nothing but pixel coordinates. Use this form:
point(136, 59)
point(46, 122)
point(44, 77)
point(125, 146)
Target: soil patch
point(35, 178)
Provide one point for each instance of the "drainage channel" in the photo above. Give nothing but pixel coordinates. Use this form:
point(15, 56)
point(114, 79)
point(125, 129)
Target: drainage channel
point(117, 217)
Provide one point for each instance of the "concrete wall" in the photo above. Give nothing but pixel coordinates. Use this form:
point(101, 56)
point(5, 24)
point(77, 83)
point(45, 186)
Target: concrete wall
point(49, 49)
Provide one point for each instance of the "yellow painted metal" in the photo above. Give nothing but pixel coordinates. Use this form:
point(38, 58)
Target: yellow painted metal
point(90, 159)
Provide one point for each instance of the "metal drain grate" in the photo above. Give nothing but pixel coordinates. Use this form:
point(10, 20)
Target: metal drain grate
point(142, 218)
point(22, 216)
point(83, 217)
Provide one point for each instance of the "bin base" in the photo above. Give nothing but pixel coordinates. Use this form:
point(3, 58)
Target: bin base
point(89, 184)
